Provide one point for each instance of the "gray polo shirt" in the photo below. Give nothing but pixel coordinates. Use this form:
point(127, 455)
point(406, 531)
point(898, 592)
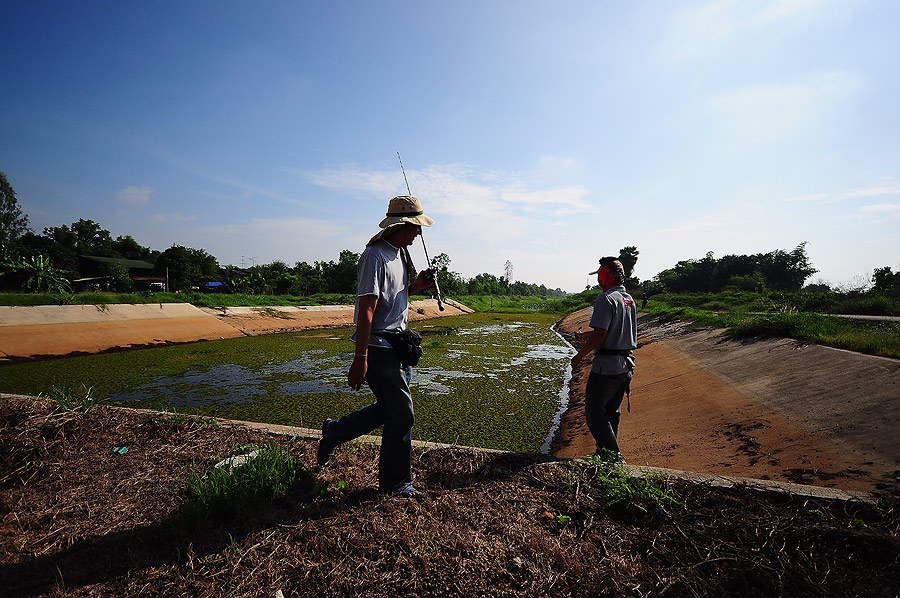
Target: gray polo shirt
point(381, 272)
point(614, 311)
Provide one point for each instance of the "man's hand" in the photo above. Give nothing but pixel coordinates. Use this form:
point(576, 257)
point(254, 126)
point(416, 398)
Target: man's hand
point(424, 280)
point(576, 360)
point(357, 374)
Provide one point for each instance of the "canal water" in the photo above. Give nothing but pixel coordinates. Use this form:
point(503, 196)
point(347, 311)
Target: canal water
point(501, 384)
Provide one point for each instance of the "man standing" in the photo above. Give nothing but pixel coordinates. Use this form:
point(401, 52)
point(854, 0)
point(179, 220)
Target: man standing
point(613, 338)
point(383, 288)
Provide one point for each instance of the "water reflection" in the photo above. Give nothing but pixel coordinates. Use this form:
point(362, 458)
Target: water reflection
point(225, 384)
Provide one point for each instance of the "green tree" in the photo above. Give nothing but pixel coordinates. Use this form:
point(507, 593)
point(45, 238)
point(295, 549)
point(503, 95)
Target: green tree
point(121, 278)
point(340, 276)
point(786, 271)
point(13, 223)
point(885, 281)
point(186, 267)
point(309, 280)
point(126, 247)
point(451, 283)
point(778, 270)
point(628, 256)
point(39, 276)
point(62, 246)
point(92, 239)
point(737, 270)
point(485, 284)
point(689, 275)
point(746, 282)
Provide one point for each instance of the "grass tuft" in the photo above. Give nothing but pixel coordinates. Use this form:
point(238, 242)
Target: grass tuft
point(605, 478)
point(230, 492)
point(69, 400)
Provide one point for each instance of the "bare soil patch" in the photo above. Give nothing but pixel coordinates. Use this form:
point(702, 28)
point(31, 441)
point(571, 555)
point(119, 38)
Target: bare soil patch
point(79, 520)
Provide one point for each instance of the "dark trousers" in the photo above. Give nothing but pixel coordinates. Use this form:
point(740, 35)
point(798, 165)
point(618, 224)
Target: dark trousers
point(602, 408)
point(392, 409)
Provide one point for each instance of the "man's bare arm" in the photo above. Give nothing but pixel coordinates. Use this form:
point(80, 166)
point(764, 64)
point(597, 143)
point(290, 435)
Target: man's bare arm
point(594, 340)
point(357, 373)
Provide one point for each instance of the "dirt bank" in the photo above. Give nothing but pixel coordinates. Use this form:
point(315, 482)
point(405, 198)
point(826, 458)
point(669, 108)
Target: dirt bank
point(761, 408)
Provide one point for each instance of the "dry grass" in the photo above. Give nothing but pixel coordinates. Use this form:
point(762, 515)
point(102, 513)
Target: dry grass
point(78, 520)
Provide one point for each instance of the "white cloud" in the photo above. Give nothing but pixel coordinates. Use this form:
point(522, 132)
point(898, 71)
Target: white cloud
point(134, 196)
point(706, 32)
point(248, 191)
point(307, 227)
point(561, 201)
point(696, 30)
point(809, 197)
point(729, 223)
point(786, 8)
point(863, 192)
point(693, 226)
point(763, 113)
point(456, 189)
point(355, 180)
point(175, 217)
point(493, 206)
point(881, 208)
point(872, 192)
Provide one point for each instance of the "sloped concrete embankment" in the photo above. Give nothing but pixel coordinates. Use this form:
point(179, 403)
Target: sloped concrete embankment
point(35, 332)
point(32, 332)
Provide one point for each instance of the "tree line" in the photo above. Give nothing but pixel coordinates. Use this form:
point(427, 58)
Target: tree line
point(777, 270)
point(51, 260)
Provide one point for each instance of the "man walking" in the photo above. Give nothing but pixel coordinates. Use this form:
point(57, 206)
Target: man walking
point(384, 284)
point(613, 338)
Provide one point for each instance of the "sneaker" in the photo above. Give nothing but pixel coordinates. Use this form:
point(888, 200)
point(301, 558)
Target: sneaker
point(409, 491)
point(325, 451)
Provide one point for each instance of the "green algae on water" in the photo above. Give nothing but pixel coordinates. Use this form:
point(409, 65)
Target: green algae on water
point(490, 380)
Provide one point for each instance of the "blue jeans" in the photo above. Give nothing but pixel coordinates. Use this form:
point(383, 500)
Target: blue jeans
point(602, 408)
point(392, 409)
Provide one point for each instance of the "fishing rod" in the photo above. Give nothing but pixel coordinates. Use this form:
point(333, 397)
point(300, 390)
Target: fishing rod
point(437, 289)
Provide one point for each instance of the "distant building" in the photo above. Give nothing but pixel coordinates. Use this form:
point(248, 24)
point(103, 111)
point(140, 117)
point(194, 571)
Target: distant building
point(95, 274)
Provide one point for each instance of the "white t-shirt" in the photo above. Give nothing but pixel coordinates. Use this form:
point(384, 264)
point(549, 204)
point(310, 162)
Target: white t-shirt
point(382, 272)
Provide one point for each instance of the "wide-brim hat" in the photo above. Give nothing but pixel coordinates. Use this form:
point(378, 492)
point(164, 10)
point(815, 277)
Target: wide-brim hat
point(405, 209)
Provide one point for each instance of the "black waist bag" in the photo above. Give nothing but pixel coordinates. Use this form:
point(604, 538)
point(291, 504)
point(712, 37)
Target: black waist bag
point(406, 343)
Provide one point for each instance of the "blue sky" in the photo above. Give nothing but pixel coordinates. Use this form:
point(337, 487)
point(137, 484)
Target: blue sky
point(543, 133)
